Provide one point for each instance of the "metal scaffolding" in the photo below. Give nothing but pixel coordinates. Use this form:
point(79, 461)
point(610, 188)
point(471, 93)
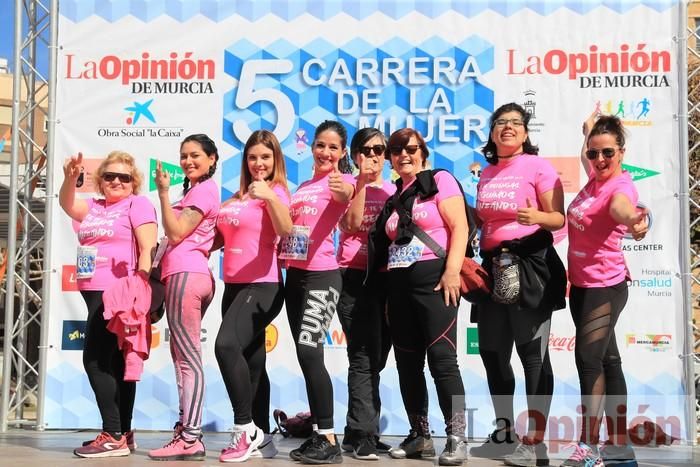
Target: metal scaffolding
point(28, 271)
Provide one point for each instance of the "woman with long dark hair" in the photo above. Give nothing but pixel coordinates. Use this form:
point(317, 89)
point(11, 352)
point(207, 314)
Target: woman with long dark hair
point(190, 227)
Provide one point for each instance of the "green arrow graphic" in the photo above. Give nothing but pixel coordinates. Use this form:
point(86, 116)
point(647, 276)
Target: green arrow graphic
point(639, 173)
point(176, 174)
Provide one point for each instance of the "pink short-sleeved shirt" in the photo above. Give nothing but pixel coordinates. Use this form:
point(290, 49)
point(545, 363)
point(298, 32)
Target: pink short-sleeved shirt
point(192, 253)
point(250, 241)
point(426, 214)
point(312, 206)
point(503, 189)
point(352, 249)
point(595, 240)
point(109, 227)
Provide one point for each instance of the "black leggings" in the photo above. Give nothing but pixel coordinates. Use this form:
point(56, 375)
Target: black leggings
point(311, 298)
point(104, 365)
point(362, 313)
point(246, 310)
point(420, 324)
point(501, 326)
point(595, 312)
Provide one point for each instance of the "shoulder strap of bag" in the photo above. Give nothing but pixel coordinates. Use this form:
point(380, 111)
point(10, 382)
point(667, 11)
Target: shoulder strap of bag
point(417, 231)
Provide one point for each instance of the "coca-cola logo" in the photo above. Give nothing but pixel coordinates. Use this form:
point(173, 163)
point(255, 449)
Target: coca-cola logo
point(562, 343)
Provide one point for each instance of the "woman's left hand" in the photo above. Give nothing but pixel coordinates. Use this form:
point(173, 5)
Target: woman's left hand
point(449, 284)
point(162, 178)
point(528, 215)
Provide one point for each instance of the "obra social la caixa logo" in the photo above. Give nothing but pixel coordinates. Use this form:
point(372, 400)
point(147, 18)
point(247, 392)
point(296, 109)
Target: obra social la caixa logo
point(137, 123)
point(625, 66)
point(176, 72)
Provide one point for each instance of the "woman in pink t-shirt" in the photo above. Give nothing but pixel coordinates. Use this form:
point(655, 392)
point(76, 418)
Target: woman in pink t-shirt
point(600, 215)
point(361, 308)
point(313, 282)
point(423, 291)
point(520, 201)
point(250, 224)
point(190, 227)
point(117, 235)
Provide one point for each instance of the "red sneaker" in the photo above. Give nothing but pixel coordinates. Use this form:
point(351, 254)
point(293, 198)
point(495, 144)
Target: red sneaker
point(104, 446)
point(130, 442)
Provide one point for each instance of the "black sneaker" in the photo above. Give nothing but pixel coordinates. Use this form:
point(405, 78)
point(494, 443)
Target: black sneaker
point(295, 454)
point(414, 446)
point(382, 448)
point(349, 440)
point(365, 449)
point(455, 452)
point(499, 444)
point(321, 451)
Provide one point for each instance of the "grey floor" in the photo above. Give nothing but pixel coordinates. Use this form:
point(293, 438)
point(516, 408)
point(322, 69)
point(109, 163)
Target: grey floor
point(28, 448)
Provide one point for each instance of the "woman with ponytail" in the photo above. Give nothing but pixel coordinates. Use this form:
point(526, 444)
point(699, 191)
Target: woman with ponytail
point(190, 227)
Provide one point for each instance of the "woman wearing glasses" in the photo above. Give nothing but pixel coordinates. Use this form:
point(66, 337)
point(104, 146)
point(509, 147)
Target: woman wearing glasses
point(117, 235)
point(190, 225)
point(600, 215)
point(313, 284)
point(361, 307)
point(423, 289)
point(520, 200)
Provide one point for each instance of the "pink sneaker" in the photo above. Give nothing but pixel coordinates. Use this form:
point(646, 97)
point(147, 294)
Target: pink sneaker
point(179, 450)
point(130, 441)
point(242, 445)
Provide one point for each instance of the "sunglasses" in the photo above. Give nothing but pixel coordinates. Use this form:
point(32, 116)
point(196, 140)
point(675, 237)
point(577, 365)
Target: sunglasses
point(110, 176)
point(504, 121)
point(378, 150)
point(608, 153)
point(410, 150)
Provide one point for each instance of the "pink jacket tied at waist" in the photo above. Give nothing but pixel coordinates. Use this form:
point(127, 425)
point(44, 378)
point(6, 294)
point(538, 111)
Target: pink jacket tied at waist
point(127, 302)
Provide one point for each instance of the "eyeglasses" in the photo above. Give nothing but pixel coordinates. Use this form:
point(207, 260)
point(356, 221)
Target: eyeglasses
point(608, 153)
point(378, 150)
point(110, 176)
point(506, 121)
point(397, 150)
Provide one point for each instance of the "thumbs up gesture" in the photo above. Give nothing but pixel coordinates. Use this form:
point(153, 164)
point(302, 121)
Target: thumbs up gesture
point(259, 189)
point(640, 225)
point(529, 215)
point(335, 181)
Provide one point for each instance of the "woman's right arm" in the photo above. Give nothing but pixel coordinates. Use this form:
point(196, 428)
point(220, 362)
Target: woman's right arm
point(77, 209)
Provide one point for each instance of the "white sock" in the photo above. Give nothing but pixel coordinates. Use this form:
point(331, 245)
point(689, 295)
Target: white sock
point(314, 427)
point(328, 431)
point(247, 427)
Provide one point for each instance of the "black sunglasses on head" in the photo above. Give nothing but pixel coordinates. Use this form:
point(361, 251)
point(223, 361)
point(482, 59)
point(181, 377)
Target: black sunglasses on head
point(608, 153)
point(110, 176)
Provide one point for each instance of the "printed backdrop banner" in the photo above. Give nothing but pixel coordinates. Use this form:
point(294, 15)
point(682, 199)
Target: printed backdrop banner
point(140, 76)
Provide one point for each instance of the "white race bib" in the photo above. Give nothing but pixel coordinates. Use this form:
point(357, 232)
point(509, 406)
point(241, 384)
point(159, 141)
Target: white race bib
point(402, 256)
point(85, 261)
point(296, 244)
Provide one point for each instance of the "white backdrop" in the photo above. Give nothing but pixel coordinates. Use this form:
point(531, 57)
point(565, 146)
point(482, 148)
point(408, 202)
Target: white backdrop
point(140, 76)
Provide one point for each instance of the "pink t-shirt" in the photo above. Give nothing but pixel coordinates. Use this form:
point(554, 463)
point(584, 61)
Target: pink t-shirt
point(595, 239)
point(352, 249)
point(503, 189)
point(110, 229)
point(192, 253)
point(427, 216)
point(313, 207)
point(250, 241)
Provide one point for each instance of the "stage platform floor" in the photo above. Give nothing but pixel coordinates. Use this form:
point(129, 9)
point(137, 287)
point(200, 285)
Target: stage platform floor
point(51, 448)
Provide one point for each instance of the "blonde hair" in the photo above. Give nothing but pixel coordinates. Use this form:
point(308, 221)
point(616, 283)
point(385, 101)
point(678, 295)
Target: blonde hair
point(118, 157)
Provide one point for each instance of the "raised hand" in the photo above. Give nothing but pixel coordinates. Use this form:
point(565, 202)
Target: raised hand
point(335, 181)
point(72, 166)
point(259, 189)
point(162, 178)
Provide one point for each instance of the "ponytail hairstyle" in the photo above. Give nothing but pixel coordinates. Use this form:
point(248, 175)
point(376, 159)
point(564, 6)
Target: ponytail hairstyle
point(279, 170)
point(209, 148)
point(610, 125)
point(489, 151)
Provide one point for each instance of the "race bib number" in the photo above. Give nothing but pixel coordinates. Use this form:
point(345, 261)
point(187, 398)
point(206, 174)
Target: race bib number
point(85, 262)
point(402, 256)
point(296, 244)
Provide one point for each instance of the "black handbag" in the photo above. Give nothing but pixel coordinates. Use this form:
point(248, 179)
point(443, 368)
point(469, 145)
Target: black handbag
point(157, 309)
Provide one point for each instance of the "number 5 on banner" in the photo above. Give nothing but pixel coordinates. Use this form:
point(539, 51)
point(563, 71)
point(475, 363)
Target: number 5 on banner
point(247, 96)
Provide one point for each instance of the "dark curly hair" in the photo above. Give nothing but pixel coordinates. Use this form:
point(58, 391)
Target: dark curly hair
point(489, 151)
point(209, 148)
